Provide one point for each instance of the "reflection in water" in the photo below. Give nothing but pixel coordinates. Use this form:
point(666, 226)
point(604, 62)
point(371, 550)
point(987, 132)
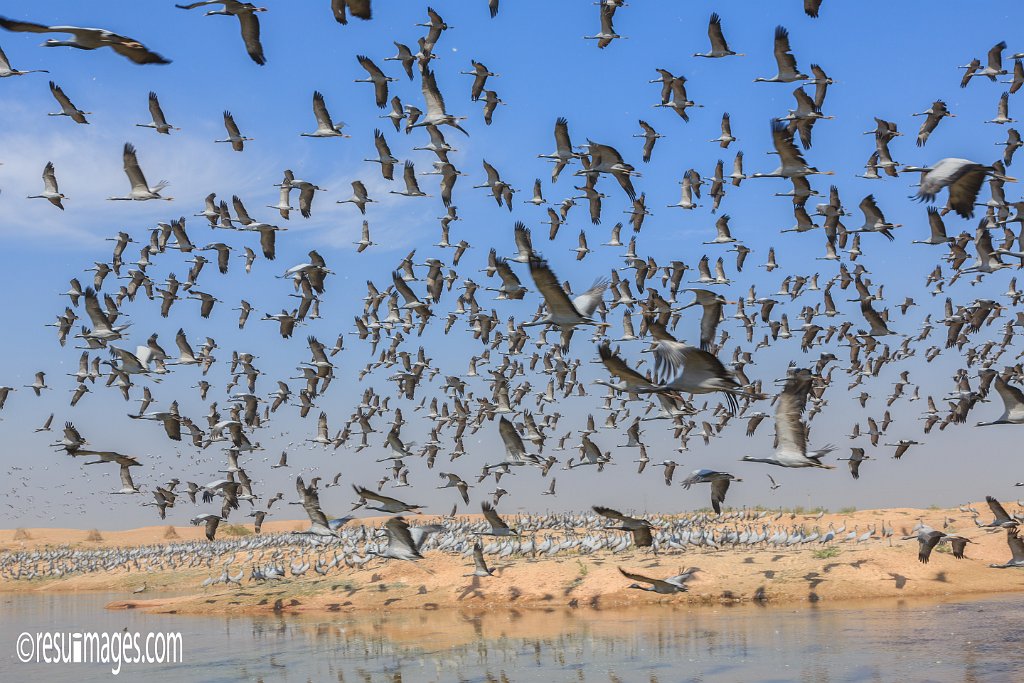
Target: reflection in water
point(976, 640)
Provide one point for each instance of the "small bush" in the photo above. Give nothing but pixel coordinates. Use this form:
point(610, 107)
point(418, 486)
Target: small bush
point(826, 553)
point(94, 535)
point(236, 530)
point(848, 510)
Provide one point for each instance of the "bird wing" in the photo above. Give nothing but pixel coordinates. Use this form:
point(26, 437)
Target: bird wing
point(930, 123)
point(587, 302)
point(514, 446)
point(243, 215)
point(718, 490)
point(250, 26)
point(927, 542)
point(708, 324)
point(997, 509)
point(182, 343)
point(403, 288)
point(134, 50)
point(964, 191)
point(874, 318)
point(372, 69)
point(783, 57)
point(1016, 544)
point(360, 8)
point(230, 126)
point(412, 186)
point(267, 242)
point(478, 556)
point(872, 214)
point(995, 56)
point(398, 534)
point(558, 302)
point(492, 173)
point(155, 111)
point(523, 240)
point(612, 514)
point(381, 143)
point(608, 155)
point(311, 504)
point(432, 95)
point(132, 168)
point(62, 99)
point(782, 140)
point(718, 43)
point(49, 178)
point(492, 517)
point(99, 319)
point(700, 365)
point(323, 117)
point(509, 279)
point(1013, 398)
point(380, 81)
point(936, 225)
point(126, 477)
point(618, 367)
point(637, 577)
point(562, 143)
point(317, 349)
point(642, 537)
point(212, 522)
point(789, 428)
point(367, 493)
point(71, 433)
point(28, 27)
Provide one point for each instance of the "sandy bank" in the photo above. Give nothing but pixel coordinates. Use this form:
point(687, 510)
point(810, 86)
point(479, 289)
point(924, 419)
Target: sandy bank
point(880, 568)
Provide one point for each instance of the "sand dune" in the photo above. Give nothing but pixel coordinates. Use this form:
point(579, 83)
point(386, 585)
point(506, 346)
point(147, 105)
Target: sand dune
point(879, 568)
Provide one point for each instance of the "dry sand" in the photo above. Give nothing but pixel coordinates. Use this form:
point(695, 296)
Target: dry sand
point(874, 569)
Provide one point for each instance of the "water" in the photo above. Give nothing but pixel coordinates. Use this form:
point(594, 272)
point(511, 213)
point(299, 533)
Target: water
point(955, 640)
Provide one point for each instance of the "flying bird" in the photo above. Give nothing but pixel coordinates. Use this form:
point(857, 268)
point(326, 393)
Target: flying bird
point(88, 39)
point(140, 189)
point(248, 22)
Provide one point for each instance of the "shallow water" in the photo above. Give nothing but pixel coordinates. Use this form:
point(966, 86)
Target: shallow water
point(956, 640)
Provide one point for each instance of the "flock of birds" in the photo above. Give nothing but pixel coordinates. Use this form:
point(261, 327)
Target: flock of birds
point(517, 380)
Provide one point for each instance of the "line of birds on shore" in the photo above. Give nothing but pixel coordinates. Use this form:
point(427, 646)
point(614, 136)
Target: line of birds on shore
point(283, 555)
point(277, 557)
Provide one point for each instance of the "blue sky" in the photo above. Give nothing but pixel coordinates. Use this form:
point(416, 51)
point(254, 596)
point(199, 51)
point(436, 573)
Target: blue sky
point(882, 68)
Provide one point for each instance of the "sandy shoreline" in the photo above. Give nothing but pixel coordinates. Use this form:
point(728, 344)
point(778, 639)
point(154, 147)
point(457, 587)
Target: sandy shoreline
point(880, 568)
